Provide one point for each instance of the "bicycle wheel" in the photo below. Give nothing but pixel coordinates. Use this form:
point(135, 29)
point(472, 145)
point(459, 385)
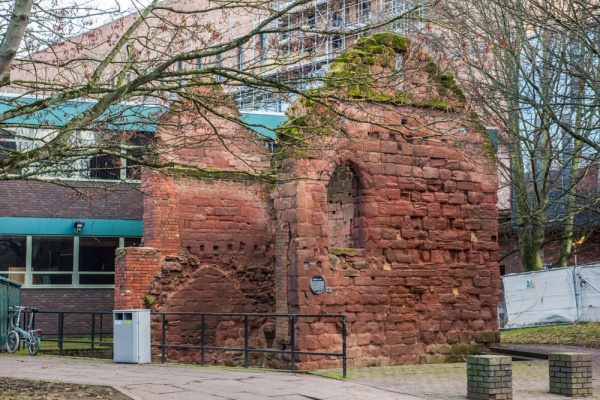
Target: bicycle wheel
point(12, 341)
point(33, 344)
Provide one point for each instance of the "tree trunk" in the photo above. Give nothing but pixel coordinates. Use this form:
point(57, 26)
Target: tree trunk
point(13, 37)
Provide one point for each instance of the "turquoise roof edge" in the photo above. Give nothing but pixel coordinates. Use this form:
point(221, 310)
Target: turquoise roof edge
point(123, 116)
point(65, 226)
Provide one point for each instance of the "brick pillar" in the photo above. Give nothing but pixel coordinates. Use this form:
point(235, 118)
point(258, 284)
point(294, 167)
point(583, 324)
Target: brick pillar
point(489, 377)
point(281, 280)
point(570, 374)
point(161, 222)
point(134, 270)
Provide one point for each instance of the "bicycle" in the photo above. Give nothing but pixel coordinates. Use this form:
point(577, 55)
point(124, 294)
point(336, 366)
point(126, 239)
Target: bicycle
point(31, 336)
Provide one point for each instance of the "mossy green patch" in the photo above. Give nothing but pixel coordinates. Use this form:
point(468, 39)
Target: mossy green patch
point(444, 82)
point(343, 250)
point(208, 173)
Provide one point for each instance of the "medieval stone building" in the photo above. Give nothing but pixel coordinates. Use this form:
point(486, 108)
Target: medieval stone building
point(391, 200)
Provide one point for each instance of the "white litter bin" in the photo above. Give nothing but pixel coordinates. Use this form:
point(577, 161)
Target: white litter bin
point(131, 332)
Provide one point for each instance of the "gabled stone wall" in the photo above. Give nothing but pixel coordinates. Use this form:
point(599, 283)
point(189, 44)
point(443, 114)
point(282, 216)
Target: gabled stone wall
point(420, 282)
point(409, 254)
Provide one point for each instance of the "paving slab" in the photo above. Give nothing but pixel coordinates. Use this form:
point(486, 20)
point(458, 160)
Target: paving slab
point(181, 382)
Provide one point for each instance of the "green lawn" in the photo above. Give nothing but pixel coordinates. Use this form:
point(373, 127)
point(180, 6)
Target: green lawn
point(585, 334)
point(79, 345)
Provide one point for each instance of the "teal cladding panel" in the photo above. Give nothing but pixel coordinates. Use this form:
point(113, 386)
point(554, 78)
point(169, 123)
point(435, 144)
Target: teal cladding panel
point(10, 296)
point(121, 116)
point(65, 226)
point(263, 122)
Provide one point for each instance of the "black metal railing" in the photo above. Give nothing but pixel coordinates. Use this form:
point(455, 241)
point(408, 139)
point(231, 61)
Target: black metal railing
point(246, 349)
point(66, 326)
point(91, 328)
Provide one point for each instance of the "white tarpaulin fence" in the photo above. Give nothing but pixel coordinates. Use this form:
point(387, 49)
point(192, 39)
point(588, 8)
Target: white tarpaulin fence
point(562, 295)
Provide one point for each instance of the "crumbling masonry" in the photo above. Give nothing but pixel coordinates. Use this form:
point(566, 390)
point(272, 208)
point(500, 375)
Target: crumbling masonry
point(393, 204)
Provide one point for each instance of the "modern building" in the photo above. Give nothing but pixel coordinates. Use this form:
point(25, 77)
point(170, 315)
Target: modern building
point(60, 228)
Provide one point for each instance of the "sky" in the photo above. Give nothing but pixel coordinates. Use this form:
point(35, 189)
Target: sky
point(128, 6)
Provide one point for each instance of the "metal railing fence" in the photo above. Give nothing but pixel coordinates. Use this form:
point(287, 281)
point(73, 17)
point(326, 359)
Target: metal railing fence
point(92, 328)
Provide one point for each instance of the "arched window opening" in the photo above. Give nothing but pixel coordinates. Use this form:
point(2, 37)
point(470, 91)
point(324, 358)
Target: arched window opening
point(343, 209)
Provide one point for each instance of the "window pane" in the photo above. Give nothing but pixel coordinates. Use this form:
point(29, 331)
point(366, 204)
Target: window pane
point(133, 242)
point(52, 254)
point(12, 257)
point(96, 279)
point(105, 167)
point(52, 279)
point(97, 254)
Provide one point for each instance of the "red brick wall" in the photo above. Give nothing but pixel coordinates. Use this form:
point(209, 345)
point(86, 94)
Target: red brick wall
point(70, 300)
point(134, 271)
point(46, 200)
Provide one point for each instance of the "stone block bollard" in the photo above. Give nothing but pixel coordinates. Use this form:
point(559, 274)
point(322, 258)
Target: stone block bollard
point(489, 377)
point(570, 374)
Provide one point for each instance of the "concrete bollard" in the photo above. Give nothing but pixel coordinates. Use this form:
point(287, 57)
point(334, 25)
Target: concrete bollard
point(489, 377)
point(570, 374)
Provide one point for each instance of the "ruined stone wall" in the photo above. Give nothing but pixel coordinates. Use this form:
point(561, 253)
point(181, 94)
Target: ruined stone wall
point(394, 206)
point(423, 288)
point(210, 228)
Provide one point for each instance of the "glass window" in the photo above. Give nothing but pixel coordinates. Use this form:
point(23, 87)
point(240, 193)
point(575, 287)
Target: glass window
point(97, 254)
point(240, 58)
point(262, 46)
point(133, 242)
point(97, 260)
point(52, 254)
point(52, 279)
point(13, 251)
point(52, 260)
point(219, 64)
point(8, 144)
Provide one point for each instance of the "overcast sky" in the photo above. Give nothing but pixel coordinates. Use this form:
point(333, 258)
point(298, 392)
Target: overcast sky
point(128, 6)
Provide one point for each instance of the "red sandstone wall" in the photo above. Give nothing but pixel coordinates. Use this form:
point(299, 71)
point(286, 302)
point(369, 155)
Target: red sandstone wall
point(424, 285)
point(420, 284)
point(211, 227)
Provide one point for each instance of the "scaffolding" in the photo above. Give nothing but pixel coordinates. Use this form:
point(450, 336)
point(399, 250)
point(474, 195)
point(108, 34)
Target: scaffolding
point(312, 36)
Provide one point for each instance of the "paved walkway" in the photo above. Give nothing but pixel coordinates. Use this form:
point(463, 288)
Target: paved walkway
point(169, 381)
point(449, 382)
point(156, 381)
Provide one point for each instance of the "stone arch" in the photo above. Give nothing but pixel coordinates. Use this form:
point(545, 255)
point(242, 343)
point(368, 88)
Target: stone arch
point(344, 222)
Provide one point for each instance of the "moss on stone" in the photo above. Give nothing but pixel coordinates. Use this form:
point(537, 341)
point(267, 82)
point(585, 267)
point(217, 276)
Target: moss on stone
point(209, 173)
point(338, 251)
point(444, 82)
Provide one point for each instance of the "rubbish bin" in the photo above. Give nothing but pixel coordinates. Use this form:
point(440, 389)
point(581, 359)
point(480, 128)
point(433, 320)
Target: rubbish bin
point(131, 330)
point(10, 296)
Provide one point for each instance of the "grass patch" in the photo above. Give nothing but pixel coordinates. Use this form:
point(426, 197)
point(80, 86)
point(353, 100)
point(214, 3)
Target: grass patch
point(75, 344)
point(585, 334)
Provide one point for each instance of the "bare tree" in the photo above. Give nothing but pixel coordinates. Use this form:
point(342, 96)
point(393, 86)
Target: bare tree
point(533, 68)
point(140, 65)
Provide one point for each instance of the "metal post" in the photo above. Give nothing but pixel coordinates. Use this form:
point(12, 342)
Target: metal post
point(163, 341)
point(293, 341)
point(93, 336)
point(344, 346)
point(61, 320)
point(245, 341)
point(202, 340)
point(101, 328)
